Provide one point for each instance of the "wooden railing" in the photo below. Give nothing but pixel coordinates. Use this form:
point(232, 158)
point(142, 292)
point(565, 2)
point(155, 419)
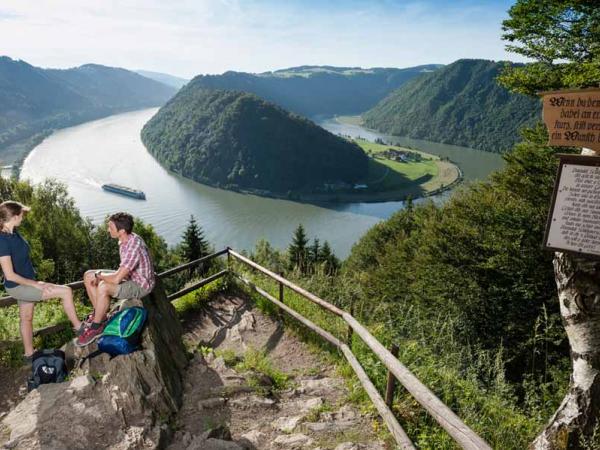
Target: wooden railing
point(445, 417)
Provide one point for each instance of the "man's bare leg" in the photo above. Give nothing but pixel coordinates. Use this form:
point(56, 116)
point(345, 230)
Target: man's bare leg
point(104, 293)
point(91, 287)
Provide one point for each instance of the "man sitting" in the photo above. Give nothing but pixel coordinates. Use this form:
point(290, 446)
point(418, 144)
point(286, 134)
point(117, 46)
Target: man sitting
point(134, 279)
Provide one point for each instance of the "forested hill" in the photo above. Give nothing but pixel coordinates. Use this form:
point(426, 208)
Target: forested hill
point(236, 140)
point(318, 90)
point(35, 100)
point(459, 104)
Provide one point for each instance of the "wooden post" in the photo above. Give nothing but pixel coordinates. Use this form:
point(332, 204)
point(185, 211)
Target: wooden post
point(350, 331)
point(281, 288)
point(391, 380)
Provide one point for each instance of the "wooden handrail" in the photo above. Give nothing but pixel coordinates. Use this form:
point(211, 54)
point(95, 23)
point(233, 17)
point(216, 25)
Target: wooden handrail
point(303, 292)
point(457, 429)
point(197, 285)
point(191, 264)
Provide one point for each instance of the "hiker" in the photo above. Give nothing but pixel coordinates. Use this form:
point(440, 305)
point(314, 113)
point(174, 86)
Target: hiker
point(19, 276)
point(133, 279)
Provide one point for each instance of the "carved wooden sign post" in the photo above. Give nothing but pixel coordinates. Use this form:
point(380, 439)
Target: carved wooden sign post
point(573, 120)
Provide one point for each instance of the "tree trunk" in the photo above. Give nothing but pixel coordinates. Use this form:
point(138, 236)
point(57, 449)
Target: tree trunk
point(573, 424)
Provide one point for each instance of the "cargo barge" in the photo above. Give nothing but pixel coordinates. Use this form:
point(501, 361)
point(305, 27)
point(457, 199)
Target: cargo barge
point(123, 190)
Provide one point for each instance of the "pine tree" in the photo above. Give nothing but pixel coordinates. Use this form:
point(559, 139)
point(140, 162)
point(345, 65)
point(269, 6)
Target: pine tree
point(314, 254)
point(297, 251)
point(329, 260)
point(194, 245)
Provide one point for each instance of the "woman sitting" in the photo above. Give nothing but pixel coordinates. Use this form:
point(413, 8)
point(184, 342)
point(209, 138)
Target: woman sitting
point(19, 275)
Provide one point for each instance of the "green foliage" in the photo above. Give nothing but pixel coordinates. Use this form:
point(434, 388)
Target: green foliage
point(561, 36)
point(238, 141)
point(298, 252)
point(477, 259)
point(460, 104)
point(193, 244)
point(258, 361)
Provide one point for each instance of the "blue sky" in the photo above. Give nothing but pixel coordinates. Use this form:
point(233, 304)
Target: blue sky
point(189, 37)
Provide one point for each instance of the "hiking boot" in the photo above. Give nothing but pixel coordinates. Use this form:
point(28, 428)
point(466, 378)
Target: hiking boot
point(89, 335)
point(79, 331)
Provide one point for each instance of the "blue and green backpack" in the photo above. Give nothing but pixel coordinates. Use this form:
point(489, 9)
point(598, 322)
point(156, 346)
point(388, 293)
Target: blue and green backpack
point(122, 334)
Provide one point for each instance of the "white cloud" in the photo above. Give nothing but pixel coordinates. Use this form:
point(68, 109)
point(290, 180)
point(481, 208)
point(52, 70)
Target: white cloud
point(188, 37)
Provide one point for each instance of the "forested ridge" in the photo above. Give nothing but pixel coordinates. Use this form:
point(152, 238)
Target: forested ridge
point(459, 104)
point(236, 140)
point(318, 90)
point(35, 100)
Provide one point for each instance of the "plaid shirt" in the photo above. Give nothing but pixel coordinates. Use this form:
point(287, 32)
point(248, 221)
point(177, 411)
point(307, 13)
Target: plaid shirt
point(135, 257)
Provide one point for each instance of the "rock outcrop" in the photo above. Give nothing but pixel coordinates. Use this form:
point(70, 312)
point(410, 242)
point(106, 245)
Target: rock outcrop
point(119, 403)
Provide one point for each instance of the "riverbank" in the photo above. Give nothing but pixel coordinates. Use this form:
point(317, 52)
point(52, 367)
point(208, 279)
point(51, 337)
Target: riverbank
point(395, 174)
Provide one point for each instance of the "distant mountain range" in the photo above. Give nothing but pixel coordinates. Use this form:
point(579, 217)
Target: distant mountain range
point(317, 90)
point(460, 104)
point(236, 140)
point(34, 101)
point(164, 78)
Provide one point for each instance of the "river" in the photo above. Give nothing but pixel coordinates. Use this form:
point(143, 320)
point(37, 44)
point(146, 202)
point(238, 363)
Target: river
point(109, 150)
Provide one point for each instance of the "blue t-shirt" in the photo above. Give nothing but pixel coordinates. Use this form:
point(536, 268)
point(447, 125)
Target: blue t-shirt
point(13, 245)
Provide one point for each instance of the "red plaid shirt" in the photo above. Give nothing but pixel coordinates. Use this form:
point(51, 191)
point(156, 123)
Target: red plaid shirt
point(135, 257)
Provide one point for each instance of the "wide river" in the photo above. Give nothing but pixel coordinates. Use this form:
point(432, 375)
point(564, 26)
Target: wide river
point(109, 150)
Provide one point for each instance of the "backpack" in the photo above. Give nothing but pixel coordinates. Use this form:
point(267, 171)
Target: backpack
point(122, 334)
point(48, 366)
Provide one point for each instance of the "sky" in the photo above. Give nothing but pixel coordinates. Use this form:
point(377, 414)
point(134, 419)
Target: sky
point(190, 37)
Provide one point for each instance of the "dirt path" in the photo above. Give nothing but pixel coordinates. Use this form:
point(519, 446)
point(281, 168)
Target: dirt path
point(243, 408)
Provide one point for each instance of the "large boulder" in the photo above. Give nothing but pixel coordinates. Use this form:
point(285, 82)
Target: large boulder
point(119, 403)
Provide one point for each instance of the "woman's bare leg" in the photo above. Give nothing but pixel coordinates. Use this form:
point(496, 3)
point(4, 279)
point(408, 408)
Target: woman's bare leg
point(26, 326)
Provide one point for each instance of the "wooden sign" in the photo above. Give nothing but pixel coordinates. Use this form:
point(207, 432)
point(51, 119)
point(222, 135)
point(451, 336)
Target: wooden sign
point(573, 118)
point(574, 218)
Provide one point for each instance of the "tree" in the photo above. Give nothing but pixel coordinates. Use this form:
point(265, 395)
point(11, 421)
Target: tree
point(330, 262)
point(193, 244)
point(563, 37)
point(314, 253)
point(297, 251)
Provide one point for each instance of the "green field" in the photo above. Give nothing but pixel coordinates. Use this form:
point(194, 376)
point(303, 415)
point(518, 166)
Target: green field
point(385, 174)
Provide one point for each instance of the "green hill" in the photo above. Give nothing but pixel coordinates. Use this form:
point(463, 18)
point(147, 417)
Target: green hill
point(460, 104)
point(318, 90)
point(236, 140)
point(34, 101)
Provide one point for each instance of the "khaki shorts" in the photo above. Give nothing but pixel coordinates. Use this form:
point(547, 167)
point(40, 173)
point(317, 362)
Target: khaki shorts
point(130, 289)
point(127, 288)
point(25, 294)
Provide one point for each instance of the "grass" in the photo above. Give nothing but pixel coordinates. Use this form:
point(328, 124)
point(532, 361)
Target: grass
point(413, 177)
point(258, 361)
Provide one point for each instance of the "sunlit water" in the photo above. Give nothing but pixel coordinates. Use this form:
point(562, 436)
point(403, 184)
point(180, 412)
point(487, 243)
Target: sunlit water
point(110, 151)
